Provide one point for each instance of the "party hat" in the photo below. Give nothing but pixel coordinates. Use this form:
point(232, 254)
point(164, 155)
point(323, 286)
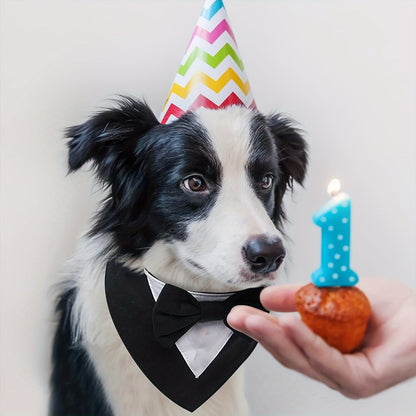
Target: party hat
point(211, 73)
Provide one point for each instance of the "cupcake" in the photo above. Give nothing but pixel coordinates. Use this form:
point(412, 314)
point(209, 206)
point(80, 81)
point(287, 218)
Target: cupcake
point(337, 314)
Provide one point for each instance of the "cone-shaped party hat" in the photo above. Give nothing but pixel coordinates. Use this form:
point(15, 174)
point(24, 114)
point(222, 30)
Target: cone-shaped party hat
point(211, 73)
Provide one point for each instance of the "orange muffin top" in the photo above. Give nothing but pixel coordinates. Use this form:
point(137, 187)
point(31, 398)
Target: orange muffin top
point(338, 303)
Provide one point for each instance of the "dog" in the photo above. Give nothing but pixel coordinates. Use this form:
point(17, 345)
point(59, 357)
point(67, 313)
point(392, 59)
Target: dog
point(198, 202)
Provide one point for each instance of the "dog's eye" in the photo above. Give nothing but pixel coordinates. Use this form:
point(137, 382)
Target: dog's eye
point(195, 184)
point(267, 181)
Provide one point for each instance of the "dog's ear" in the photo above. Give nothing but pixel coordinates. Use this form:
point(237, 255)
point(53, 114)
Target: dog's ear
point(293, 157)
point(109, 138)
point(291, 147)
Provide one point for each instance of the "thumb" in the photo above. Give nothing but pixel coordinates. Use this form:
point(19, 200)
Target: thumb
point(280, 298)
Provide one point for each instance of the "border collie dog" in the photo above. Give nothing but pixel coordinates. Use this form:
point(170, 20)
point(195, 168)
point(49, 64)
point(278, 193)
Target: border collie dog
point(198, 203)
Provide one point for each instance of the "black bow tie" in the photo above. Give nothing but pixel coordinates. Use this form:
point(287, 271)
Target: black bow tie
point(176, 311)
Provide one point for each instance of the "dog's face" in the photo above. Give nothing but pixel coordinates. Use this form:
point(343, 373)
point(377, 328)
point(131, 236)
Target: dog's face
point(210, 185)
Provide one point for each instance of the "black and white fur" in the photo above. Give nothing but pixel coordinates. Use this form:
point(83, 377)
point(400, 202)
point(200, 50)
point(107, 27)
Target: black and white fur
point(157, 216)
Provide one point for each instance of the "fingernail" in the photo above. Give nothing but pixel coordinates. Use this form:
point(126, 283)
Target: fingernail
point(231, 317)
point(267, 292)
point(268, 289)
point(235, 317)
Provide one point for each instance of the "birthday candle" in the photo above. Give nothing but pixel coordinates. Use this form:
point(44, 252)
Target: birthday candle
point(334, 218)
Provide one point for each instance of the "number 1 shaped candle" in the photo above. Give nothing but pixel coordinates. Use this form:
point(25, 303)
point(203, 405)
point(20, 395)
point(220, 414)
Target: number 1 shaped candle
point(335, 220)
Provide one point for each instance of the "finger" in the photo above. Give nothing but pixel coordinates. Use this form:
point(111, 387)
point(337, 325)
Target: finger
point(279, 298)
point(238, 315)
point(270, 334)
point(324, 359)
point(274, 339)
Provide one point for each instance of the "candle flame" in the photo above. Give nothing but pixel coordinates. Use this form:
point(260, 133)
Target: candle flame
point(334, 187)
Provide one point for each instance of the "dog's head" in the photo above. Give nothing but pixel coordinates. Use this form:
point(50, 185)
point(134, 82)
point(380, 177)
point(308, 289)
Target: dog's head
point(210, 185)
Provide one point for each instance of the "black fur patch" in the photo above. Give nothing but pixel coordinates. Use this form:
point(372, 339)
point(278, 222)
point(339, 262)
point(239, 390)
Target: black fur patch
point(263, 160)
point(277, 148)
point(143, 163)
point(75, 387)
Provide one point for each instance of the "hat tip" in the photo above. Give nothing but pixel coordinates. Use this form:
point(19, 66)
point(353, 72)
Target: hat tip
point(212, 73)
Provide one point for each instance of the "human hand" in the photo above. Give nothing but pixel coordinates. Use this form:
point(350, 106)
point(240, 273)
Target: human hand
point(387, 355)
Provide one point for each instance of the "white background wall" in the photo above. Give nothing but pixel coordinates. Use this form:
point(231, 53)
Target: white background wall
point(344, 69)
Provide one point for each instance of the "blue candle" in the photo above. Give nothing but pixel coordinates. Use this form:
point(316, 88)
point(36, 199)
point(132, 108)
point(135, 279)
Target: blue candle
point(335, 220)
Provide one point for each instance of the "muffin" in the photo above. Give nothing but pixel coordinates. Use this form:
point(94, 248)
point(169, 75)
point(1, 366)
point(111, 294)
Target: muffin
point(337, 314)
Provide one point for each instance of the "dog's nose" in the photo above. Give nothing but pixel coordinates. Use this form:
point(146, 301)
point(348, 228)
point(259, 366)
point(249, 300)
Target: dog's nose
point(264, 254)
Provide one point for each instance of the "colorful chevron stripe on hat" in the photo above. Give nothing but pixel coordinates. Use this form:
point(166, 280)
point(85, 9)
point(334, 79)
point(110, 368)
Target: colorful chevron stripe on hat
point(211, 73)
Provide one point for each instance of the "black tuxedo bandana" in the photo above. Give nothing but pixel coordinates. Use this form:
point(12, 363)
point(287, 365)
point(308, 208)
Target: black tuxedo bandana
point(150, 329)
